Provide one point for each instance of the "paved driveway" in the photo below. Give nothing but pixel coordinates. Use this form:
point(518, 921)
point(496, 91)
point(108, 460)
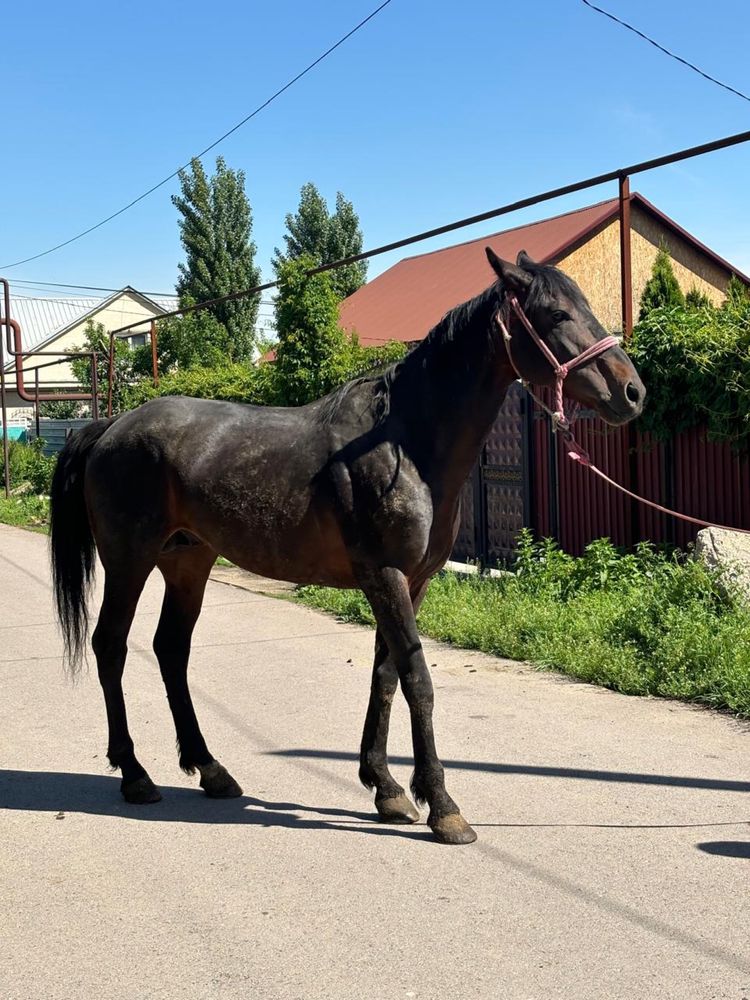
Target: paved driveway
point(614, 851)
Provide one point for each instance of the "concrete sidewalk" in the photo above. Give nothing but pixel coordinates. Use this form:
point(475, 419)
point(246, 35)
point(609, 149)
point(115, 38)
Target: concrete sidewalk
point(613, 859)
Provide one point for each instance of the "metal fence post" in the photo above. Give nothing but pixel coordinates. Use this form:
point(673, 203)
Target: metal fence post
point(94, 388)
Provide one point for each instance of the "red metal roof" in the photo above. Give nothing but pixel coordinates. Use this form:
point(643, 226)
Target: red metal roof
point(406, 301)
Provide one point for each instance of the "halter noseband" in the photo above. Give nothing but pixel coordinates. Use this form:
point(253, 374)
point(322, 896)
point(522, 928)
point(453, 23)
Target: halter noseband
point(561, 370)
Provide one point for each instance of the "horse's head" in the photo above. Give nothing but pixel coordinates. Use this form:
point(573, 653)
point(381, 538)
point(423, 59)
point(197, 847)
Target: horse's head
point(560, 314)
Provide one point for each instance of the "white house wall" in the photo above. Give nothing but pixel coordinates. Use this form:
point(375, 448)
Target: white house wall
point(126, 309)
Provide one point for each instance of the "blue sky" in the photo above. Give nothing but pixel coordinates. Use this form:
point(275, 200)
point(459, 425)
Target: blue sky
point(433, 111)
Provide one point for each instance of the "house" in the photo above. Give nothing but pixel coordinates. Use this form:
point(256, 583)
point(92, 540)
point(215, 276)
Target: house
point(59, 324)
point(408, 299)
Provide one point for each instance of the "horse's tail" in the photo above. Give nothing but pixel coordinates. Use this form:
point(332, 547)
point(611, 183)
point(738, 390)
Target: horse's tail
point(71, 541)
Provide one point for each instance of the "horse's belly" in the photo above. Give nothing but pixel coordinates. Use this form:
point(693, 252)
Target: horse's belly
point(284, 538)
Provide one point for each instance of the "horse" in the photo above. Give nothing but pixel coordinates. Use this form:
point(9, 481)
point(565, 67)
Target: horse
point(358, 489)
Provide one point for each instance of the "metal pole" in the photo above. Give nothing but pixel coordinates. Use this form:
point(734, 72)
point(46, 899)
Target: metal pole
point(3, 408)
point(626, 264)
point(154, 357)
point(111, 374)
point(611, 175)
point(36, 403)
point(94, 388)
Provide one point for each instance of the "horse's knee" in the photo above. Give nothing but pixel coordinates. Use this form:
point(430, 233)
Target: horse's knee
point(386, 681)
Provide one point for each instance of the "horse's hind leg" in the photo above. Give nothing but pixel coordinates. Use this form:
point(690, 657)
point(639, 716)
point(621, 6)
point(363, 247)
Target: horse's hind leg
point(122, 590)
point(186, 570)
point(391, 801)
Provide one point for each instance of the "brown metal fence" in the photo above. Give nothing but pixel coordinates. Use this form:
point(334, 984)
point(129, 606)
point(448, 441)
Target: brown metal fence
point(541, 488)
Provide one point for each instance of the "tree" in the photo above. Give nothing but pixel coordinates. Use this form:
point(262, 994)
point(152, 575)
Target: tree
point(196, 339)
point(661, 288)
point(325, 237)
point(696, 299)
point(215, 229)
point(737, 296)
point(130, 363)
point(310, 338)
point(314, 355)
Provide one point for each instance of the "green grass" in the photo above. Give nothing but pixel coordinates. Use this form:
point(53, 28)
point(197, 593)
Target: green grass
point(28, 511)
point(644, 623)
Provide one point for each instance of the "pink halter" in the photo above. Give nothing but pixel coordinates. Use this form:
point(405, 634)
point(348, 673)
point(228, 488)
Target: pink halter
point(561, 370)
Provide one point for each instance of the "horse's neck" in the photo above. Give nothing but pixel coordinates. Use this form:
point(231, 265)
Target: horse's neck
point(461, 383)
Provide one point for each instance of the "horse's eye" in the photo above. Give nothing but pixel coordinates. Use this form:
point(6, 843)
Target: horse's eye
point(559, 317)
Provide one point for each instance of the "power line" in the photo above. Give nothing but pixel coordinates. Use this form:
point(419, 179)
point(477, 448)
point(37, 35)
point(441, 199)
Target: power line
point(28, 282)
point(74, 298)
point(215, 143)
point(514, 206)
point(672, 55)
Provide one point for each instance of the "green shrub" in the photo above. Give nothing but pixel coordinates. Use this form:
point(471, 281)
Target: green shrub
point(662, 290)
point(29, 468)
point(237, 383)
point(695, 363)
point(29, 511)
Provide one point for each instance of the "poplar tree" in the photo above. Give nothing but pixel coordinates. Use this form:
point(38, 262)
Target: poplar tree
point(324, 237)
point(215, 230)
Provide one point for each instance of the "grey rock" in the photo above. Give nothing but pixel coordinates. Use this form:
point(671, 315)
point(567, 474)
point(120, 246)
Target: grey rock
point(728, 552)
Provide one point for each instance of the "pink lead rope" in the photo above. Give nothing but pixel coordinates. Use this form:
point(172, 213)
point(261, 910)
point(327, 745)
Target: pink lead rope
point(560, 421)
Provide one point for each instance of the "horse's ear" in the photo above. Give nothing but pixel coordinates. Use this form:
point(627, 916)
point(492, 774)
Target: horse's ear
point(512, 277)
point(523, 259)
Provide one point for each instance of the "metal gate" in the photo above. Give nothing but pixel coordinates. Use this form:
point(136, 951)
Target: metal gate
point(496, 500)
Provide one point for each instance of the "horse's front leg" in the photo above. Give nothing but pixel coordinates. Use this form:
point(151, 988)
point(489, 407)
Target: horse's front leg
point(391, 801)
point(388, 593)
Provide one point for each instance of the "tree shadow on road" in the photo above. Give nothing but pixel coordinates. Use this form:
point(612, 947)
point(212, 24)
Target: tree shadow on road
point(96, 794)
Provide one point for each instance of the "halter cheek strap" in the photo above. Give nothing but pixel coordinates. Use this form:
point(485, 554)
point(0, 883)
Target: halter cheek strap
point(561, 370)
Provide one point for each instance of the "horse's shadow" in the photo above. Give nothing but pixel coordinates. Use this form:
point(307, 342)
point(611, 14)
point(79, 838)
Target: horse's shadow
point(96, 794)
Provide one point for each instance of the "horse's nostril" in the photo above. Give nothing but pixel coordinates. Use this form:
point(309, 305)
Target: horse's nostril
point(632, 392)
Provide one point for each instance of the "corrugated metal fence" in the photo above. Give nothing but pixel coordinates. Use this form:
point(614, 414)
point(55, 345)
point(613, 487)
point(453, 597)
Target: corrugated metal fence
point(55, 433)
point(558, 498)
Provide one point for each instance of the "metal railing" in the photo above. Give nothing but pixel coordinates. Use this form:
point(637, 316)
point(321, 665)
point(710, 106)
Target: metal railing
point(621, 176)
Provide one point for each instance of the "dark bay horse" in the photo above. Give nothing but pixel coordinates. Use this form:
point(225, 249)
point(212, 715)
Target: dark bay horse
point(359, 489)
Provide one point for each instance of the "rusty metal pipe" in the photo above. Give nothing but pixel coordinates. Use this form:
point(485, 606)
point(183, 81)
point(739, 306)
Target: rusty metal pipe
point(18, 353)
point(626, 264)
point(154, 358)
point(3, 408)
point(111, 373)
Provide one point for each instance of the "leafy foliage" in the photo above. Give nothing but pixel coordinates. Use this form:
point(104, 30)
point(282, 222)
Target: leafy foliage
point(30, 470)
point(662, 290)
point(314, 355)
point(696, 299)
point(26, 511)
point(195, 339)
point(64, 409)
point(130, 363)
point(324, 237)
point(642, 623)
point(215, 228)
point(236, 383)
point(695, 362)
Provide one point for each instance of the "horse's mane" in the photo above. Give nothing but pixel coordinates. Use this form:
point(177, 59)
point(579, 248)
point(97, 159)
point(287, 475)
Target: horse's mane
point(450, 346)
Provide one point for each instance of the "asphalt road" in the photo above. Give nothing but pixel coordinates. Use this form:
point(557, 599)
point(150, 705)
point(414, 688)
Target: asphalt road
point(613, 859)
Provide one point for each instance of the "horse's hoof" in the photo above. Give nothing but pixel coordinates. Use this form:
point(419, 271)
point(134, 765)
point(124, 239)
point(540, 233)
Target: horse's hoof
point(140, 792)
point(452, 829)
point(217, 782)
point(398, 809)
